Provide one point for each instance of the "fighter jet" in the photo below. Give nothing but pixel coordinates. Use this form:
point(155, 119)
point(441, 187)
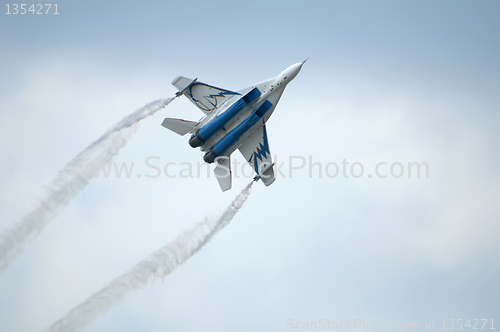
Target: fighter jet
point(233, 120)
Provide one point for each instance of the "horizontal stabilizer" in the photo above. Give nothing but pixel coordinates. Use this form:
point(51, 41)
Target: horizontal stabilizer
point(179, 126)
point(223, 173)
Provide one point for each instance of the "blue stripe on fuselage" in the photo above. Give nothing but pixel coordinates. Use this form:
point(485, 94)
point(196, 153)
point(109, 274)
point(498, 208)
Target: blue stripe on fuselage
point(220, 120)
point(227, 141)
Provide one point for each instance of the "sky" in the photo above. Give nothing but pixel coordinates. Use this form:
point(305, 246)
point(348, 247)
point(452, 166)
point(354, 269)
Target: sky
point(386, 81)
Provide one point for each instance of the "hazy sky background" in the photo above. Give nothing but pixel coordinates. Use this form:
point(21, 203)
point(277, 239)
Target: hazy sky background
point(387, 81)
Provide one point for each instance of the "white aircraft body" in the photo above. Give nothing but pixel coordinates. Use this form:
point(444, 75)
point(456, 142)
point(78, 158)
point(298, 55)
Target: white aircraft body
point(233, 120)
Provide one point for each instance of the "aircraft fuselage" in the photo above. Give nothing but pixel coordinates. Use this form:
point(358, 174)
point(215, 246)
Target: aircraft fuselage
point(240, 125)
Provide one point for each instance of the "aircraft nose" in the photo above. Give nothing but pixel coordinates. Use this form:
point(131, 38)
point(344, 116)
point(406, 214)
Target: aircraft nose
point(293, 70)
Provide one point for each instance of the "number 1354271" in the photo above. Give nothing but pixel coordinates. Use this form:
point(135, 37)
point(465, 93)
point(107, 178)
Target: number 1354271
point(31, 9)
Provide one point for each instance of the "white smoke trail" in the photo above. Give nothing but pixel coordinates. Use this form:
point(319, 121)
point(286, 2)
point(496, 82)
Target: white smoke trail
point(158, 265)
point(67, 184)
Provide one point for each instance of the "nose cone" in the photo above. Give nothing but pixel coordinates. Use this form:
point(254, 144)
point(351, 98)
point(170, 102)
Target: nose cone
point(292, 71)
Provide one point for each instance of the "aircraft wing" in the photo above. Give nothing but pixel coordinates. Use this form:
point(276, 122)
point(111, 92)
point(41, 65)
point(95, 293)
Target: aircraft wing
point(204, 96)
point(256, 151)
